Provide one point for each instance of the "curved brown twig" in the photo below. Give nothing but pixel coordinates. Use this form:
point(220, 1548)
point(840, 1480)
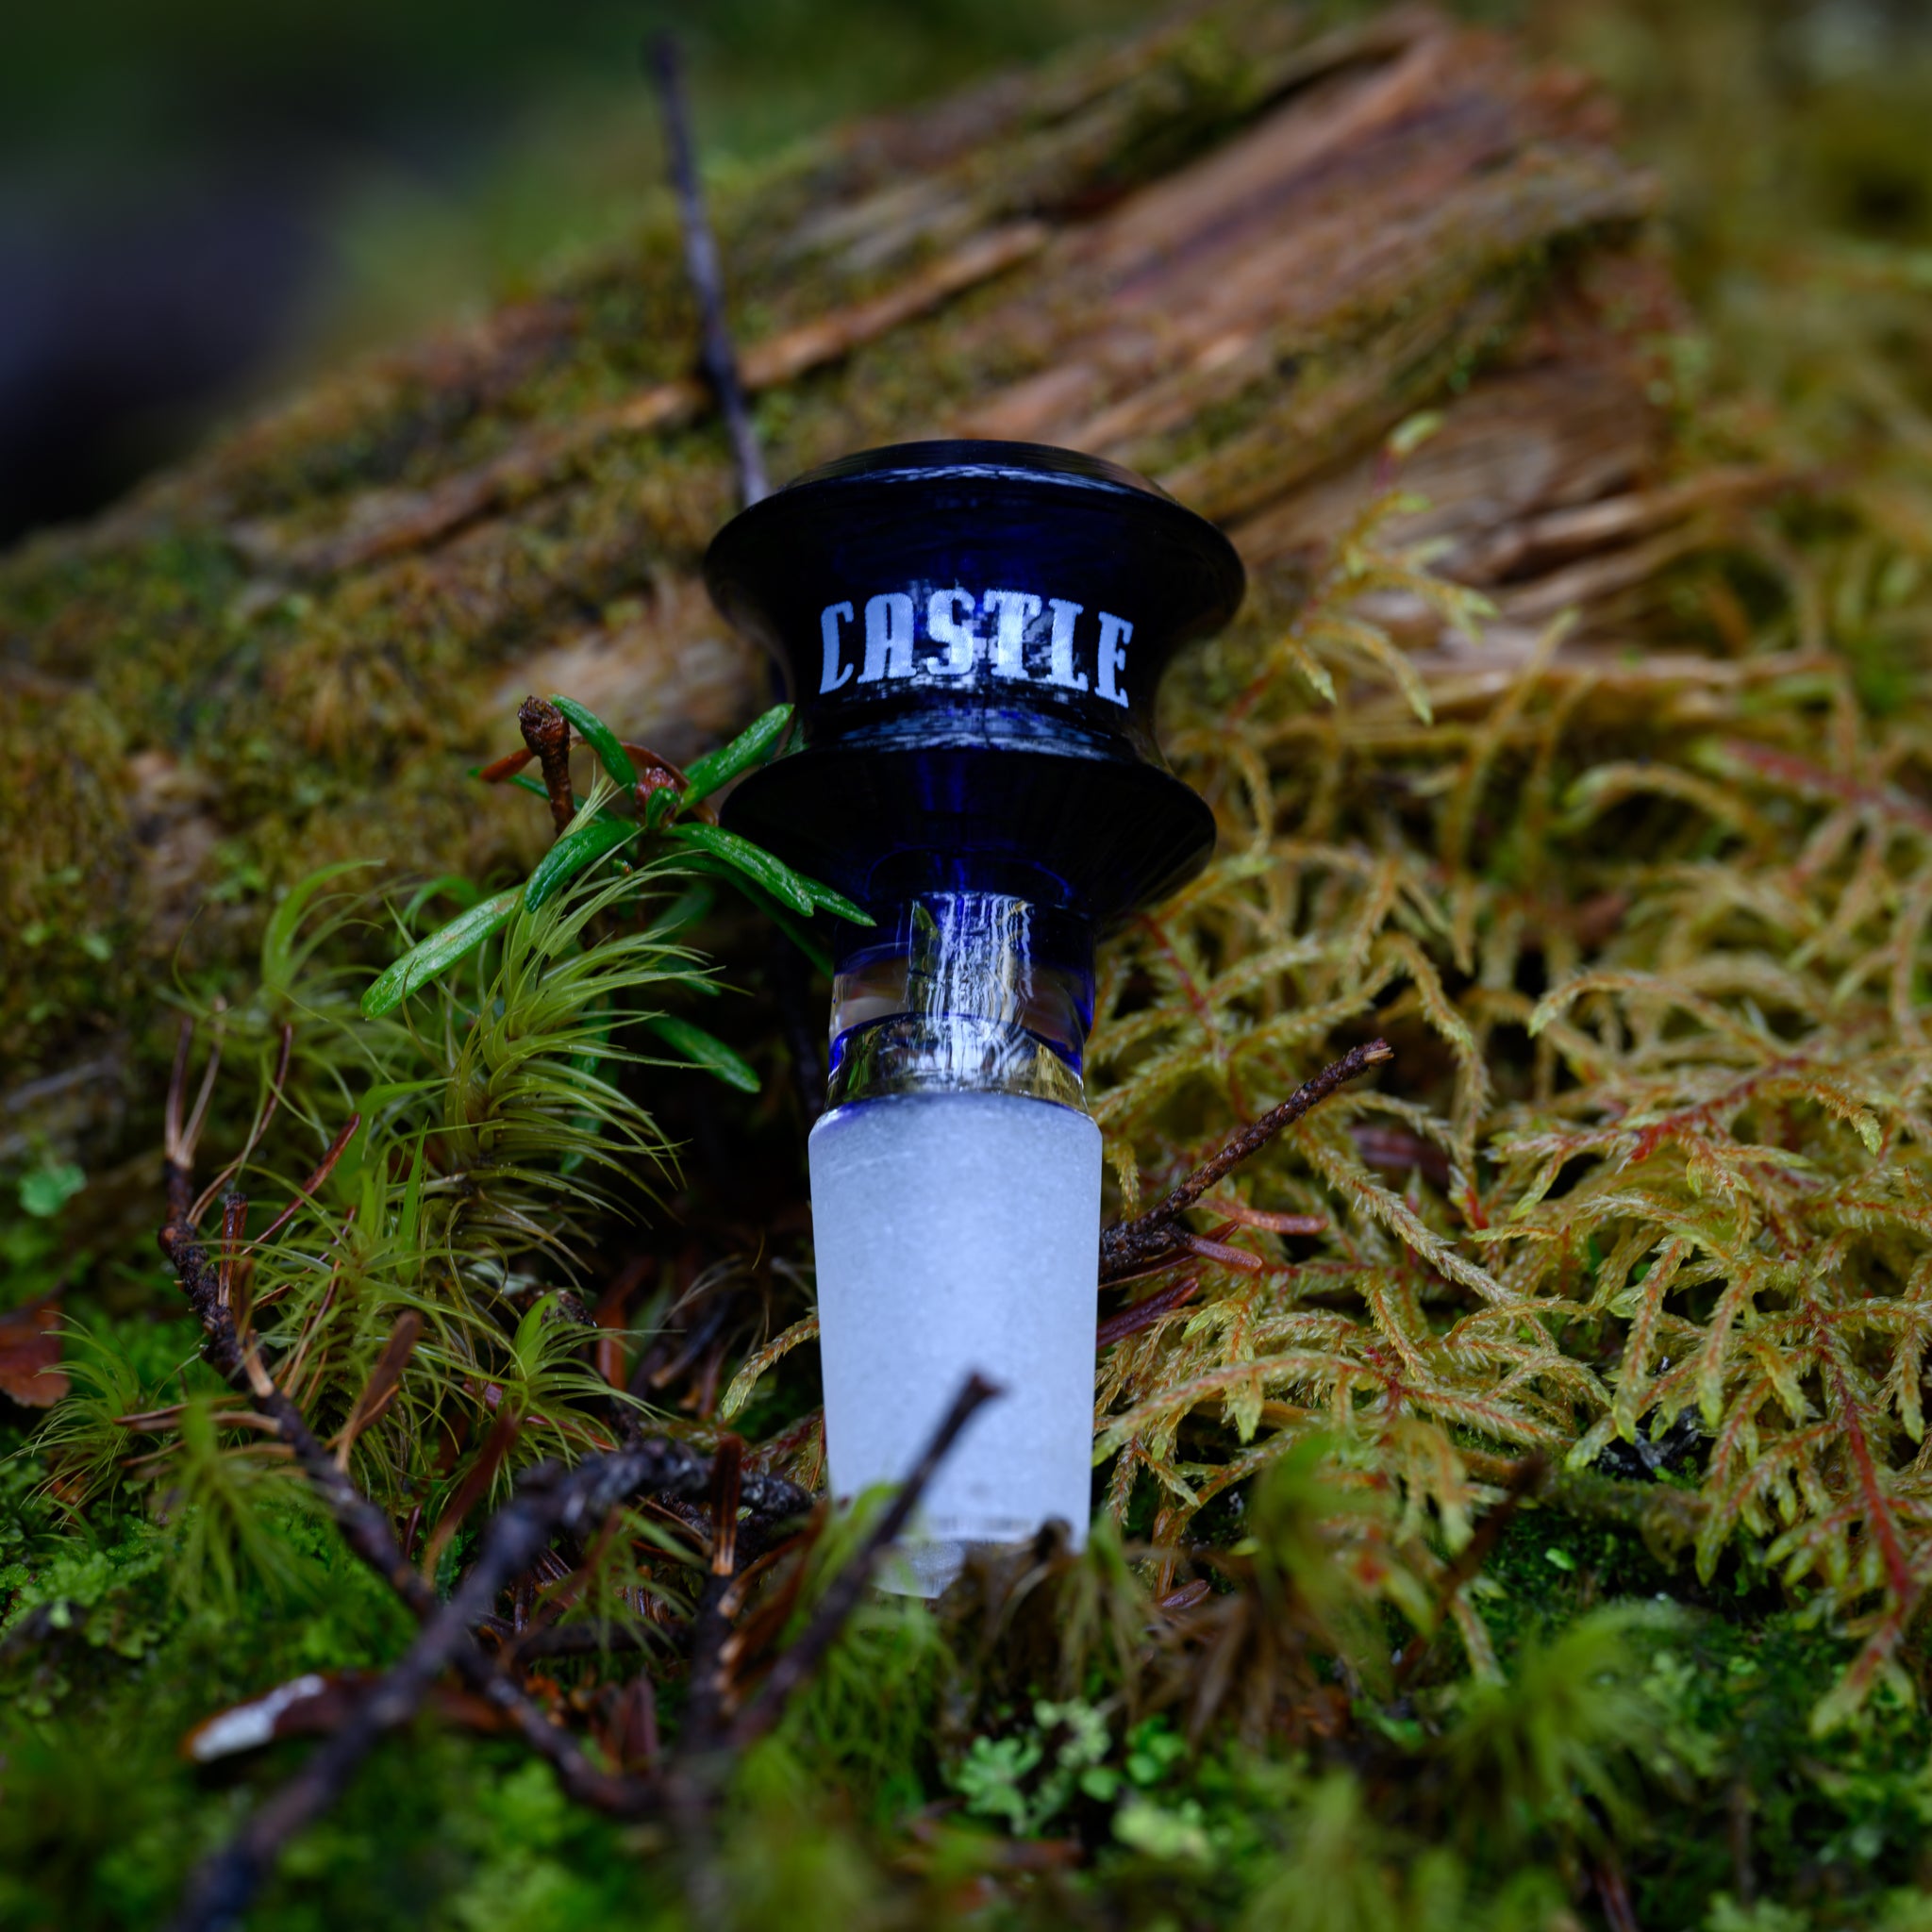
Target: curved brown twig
point(1129, 1246)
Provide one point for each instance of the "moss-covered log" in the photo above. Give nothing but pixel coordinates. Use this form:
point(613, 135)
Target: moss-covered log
point(1233, 252)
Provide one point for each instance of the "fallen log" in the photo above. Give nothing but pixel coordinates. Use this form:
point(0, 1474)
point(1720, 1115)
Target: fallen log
point(1233, 252)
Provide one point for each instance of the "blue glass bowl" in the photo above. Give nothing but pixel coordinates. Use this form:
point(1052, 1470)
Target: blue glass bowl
point(974, 633)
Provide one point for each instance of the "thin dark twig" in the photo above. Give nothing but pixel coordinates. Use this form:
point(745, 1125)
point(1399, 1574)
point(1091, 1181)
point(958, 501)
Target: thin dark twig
point(363, 1526)
point(1143, 1314)
point(1129, 1245)
point(1613, 1891)
point(587, 1640)
point(549, 1500)
point(798, 1662)
point(716, 354)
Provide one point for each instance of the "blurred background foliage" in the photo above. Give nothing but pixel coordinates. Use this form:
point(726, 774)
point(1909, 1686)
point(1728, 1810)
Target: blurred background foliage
point(203, 200)
point(200, 201)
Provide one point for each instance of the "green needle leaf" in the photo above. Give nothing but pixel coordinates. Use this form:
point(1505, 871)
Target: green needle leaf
point(789, 887)
point(788, 921)
point(752, 746)
point(573, 853)
point(706, 1051)
point(444, 948)
point(753, 861)
point(279, 956)
point(600, 738)
point(835, 903)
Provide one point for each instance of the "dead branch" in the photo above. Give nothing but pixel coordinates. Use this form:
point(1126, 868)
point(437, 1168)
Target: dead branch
point(802, 1658)
point(549, 1501)
point(662, 1467)
point(363, 1526)
point(1128, 1246)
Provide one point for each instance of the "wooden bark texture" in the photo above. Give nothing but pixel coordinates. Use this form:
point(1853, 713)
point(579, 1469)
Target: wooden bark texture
point(1233, 252)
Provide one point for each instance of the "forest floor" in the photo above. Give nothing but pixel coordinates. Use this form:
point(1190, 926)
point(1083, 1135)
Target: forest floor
point(1515, 1510)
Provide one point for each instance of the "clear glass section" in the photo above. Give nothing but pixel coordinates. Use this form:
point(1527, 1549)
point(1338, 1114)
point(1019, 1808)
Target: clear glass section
point(964, 992)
